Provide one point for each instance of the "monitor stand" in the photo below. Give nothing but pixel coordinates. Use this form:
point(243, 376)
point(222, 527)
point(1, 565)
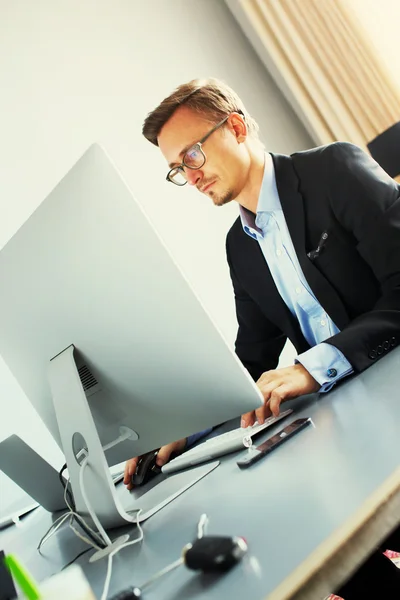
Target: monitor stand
point(75, 419)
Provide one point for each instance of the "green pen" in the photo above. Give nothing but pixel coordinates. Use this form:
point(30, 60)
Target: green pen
point(22, 577)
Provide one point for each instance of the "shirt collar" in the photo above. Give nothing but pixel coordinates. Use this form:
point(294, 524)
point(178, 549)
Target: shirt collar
point(268, 201)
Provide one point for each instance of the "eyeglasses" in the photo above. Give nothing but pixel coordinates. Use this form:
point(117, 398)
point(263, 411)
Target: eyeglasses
point(194, 158)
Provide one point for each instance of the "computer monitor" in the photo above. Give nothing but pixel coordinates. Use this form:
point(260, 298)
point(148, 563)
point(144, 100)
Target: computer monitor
point(102, 330)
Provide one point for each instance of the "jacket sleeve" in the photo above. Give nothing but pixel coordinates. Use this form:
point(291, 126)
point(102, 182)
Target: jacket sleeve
point(366, 202)
point(259, 342)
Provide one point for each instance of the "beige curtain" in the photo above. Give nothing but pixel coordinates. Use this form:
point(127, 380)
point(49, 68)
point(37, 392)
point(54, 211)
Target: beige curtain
point(328, 65)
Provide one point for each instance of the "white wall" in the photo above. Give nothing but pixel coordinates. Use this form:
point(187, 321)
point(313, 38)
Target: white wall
point(76, 72)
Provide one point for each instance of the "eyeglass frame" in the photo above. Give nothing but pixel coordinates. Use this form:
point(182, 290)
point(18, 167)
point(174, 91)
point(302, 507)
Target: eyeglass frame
point(199, 144)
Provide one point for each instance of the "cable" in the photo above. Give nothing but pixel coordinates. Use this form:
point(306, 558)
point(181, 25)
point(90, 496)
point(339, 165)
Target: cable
point(52, 530)
point(65, 486)
point(76, 558)
point(71, 514)
point(162, 572)
point(56, 526)
point(137, 590)
point(96, 539)
point(177, 563)
point(102, 531)
point(93, 515)
point(83, 538)
point(126, 435)
point(93, 535)
point(201, 525)
point(110, 557)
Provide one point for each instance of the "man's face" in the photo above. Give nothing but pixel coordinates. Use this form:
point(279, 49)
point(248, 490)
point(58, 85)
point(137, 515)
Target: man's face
point(224, 174)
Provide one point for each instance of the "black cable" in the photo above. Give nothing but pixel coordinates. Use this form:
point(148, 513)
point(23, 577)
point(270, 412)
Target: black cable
point(90, 535)
point(71, 501)
point(61, 478)
point(76, 557)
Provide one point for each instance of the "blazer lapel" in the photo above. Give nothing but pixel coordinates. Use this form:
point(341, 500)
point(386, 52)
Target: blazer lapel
point(292, 204)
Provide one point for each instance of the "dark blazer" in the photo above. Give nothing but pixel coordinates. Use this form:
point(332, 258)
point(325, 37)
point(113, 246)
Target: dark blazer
point(355, 275)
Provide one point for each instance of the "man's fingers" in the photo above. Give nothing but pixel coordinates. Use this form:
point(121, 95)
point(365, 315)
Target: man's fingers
point(163, 456)
point(130, 468)
point(266, 377)
point(268, 388)
point(164, 453)
point(278, 395)
point(263, 413)
point(248, 419)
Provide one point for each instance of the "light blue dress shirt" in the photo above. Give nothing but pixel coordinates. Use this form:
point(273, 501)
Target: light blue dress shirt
point(324, 362)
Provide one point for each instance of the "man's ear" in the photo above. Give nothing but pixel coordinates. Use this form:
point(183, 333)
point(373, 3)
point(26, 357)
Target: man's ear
point(238, 126)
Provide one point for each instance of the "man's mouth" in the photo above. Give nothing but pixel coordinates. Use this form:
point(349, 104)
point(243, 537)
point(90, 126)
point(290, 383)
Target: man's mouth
point(207, 187)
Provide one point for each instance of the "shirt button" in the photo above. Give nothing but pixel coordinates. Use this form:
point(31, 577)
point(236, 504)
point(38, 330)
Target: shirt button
point(298, 290)
point(279, 252)
point(323, 322)
point(331, 372)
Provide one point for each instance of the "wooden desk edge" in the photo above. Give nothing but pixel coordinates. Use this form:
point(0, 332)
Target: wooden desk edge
point(339, 556)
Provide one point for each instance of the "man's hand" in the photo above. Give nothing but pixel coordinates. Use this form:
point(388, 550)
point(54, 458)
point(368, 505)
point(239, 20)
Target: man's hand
point(163, 457)
point(276, 387)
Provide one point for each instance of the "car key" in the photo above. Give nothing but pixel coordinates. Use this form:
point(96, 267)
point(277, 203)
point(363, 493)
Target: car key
point(214, 553)
point(209, 554)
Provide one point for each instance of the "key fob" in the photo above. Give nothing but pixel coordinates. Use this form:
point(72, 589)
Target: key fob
point(214, 553)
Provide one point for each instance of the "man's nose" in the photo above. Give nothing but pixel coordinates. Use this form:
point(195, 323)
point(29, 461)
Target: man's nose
point(193, 176)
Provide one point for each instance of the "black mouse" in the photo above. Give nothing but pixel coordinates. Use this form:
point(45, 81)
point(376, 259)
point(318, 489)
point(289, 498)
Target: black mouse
point(146, 468)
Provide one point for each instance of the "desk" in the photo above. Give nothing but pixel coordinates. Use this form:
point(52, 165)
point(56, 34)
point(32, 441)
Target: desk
point(328, 487)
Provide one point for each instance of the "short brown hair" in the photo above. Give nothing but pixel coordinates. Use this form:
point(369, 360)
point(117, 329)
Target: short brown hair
point(209, 97)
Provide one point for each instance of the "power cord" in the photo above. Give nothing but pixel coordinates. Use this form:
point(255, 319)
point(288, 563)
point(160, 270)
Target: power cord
point(71, 505)
point(95, 540)
point(53, 529)
point(92, 513)
point(69, 493)
point(102, 531)
point(114, 552)
point(71, 562)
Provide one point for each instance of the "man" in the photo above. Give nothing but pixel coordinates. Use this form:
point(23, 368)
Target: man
point(314, 255)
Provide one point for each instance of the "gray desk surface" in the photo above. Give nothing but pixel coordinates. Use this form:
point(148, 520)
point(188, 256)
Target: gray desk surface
point(305, 499)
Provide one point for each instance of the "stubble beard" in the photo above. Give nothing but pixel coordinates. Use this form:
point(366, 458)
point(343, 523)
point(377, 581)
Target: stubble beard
point(222, 199)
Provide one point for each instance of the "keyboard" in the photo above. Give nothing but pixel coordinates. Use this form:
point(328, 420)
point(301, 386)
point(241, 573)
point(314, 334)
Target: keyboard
point(222, 444)
point(117, 472)
point(117, 477)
